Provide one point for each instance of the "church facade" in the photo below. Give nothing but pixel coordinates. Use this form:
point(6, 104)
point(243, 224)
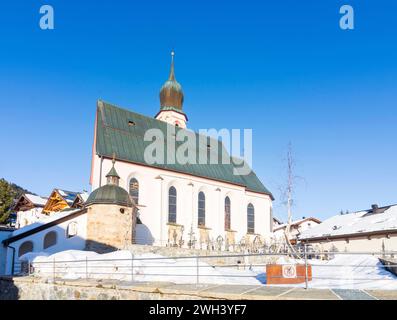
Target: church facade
point(191, 205)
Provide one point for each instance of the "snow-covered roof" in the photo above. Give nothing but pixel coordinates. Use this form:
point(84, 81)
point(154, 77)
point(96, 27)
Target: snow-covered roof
point(355, 223)
point(36, 200)
point(44, 221)
point(277, 220)
point(296, 223)
point(84, 196)
point(69, 196)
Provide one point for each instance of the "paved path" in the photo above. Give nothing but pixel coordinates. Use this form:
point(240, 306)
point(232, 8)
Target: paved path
point(167, 290)
point(347, 294)
point(250, 292)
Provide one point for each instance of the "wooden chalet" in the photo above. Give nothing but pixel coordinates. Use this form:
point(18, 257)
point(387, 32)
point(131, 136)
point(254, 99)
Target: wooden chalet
point(29, 201)
point(81, 198)
point(60, 200)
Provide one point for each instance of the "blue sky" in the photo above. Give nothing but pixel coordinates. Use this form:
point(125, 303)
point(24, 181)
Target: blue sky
point(283, 68)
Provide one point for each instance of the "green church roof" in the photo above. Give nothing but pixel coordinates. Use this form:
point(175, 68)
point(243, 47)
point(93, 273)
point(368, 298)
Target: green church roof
point(122, 132)
point(110, 194)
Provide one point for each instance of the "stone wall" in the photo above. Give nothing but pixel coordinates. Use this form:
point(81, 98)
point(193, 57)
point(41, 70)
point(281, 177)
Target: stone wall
point(109, 227)
point(183, 252)
point(31, 288)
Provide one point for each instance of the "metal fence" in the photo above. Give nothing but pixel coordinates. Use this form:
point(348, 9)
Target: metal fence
point(223, 268)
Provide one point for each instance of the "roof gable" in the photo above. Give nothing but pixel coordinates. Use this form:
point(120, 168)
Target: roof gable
point(297, 223)
point(68, 196)
point(121, 132)
point(29, 201)
point(59, 200)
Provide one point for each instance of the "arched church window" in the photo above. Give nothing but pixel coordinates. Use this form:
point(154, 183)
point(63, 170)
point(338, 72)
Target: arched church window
point(134, 190)
point(25, 247)
point(250, 219)
point(50, 239)
point(227, 213)
point(201, 209)
point(172, 205)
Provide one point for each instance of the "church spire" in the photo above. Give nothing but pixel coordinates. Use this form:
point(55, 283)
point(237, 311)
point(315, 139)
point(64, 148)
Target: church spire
point(171, 94)
point(172, 71)
point(171, 100)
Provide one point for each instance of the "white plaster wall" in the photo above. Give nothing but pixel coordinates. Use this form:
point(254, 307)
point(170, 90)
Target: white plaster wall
point(153, 201)
point(25, 218)
point(63, 243)
point(279, 234)
point(374, 244)
point(3, 251)
point(172, 117)
point(307, 225)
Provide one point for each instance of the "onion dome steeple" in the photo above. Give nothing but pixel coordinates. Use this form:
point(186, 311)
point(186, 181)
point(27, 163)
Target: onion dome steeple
point(110, 193)
point(171, 93)
point(113, 177)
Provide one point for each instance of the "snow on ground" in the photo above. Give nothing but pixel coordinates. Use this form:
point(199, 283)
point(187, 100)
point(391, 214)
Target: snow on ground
point(349, 271)
point(72, 264)
point(353, 272)
point(344, 271)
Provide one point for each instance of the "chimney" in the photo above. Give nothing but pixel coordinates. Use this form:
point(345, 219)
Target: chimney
point(375, 208)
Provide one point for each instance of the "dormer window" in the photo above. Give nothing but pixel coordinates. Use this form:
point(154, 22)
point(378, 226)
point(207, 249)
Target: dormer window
point(131, 123)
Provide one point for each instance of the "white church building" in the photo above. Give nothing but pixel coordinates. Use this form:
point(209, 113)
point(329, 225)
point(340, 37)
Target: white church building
point(188, 205)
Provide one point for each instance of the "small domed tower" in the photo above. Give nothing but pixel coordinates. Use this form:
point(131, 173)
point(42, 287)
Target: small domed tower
point(171, 100)
point(111, 216)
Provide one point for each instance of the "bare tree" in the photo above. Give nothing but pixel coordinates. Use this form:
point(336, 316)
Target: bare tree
point(287, 194)
point(289, 188)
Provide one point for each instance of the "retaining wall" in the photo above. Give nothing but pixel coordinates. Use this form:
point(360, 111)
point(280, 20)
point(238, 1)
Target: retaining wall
point(31, 288)
point(183, 252)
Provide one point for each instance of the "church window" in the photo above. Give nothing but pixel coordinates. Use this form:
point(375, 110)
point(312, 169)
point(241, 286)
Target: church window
point(172, 205)
point(201, 209)
point(227, 213)
point(134, 190)
point(25, 247)
point(250, 219)
point(50, 239)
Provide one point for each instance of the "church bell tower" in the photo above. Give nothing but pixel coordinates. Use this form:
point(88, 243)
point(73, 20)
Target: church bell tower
point(171, 100)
